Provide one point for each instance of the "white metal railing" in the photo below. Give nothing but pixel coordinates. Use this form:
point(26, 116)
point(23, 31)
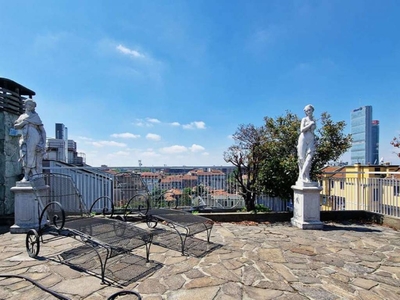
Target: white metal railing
point(374, 194)
point(274, 203)
point(91, 182)
point(215, 191)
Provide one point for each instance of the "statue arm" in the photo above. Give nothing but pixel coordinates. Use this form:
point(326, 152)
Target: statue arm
point(26, 119)
point(20, 123)
point(42, 136)
point(305, 127)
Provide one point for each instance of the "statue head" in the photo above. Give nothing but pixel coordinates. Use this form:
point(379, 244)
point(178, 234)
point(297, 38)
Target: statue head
point(309, 106)
point(30, 104)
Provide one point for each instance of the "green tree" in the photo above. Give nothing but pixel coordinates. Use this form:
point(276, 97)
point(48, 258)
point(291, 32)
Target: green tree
point(268, 155)
point(331, 143)
point(186, 198)
point(246, 156)
point(279, 170)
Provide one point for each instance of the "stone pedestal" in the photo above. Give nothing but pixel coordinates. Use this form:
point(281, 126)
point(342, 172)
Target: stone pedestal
point(306, 206)
point(26, 212)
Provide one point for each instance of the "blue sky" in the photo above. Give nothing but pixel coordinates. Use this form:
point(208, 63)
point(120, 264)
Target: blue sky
point(168, 82)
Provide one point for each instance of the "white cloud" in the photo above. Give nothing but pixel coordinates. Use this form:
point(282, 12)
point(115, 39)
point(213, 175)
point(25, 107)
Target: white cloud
point(139, 123)
point(195, 125)
point(196, 148)
point(151, 120)
point(108, 143)
point(138, 63)
point(125, 135)
point(175, 124)
point(174, 149)
point(153, 137)
point(130, 52)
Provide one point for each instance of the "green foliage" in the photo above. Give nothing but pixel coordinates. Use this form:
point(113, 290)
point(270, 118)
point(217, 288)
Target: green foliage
point(185, 198)
point(331, 143)
point(266, 157)
point(261, 208)
point(187, 191)
point(279, 168)
point(195, 212)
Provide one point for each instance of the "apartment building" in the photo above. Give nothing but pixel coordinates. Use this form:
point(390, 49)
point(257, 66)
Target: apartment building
point(360, 187)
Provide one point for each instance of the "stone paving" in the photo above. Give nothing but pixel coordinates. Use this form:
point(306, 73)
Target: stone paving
point(263, 261)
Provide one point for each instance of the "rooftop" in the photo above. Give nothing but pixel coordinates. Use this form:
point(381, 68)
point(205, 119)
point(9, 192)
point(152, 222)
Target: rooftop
point(244, 261)
point(13, 86)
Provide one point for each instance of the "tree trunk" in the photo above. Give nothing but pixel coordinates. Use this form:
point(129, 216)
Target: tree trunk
point(250, 205)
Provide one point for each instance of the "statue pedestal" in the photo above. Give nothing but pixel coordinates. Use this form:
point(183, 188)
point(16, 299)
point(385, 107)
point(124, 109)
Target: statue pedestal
point(26, 212)
point(306, 206)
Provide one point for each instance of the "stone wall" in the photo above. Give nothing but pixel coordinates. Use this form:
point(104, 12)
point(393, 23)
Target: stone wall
point(10, 167)
point(347, 216)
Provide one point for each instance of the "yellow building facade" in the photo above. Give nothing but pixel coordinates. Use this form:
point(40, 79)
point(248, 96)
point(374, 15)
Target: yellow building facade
point(361, 187)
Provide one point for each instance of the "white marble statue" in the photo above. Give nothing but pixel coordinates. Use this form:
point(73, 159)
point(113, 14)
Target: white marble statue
point(32, 141)
point(306, 144)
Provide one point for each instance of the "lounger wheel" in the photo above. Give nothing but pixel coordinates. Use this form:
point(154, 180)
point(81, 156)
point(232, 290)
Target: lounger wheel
point(123, 293)
point(121, 218)
point(32, 243)
point(152, 223)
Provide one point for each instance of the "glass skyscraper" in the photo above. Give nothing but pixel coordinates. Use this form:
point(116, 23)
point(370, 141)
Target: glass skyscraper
point(365, 134)
point(375, 142)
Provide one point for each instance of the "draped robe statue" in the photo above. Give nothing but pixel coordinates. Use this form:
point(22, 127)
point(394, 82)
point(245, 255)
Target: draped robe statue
point(32, 141)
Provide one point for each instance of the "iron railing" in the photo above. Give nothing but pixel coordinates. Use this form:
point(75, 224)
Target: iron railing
point(374, 192)
point(91, 182)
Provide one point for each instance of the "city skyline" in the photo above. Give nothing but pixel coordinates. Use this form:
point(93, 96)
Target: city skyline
point(169, 82)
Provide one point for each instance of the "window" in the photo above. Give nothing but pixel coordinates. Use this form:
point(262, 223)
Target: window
point(341, 185)
point(332, 184)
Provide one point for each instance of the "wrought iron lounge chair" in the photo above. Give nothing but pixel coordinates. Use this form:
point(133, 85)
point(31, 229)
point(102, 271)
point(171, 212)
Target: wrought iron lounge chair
point(62, 212)
point(153, 209)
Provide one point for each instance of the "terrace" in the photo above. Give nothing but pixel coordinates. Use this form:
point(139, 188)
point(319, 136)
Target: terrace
point(252, 256)
point(254, 261)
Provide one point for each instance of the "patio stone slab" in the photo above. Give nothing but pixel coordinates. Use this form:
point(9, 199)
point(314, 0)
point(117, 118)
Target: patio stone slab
point(264, 261)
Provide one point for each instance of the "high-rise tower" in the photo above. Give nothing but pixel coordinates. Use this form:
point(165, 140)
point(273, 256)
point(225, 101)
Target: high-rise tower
point(375, 142)
point(365, 134)
point(60, 130)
